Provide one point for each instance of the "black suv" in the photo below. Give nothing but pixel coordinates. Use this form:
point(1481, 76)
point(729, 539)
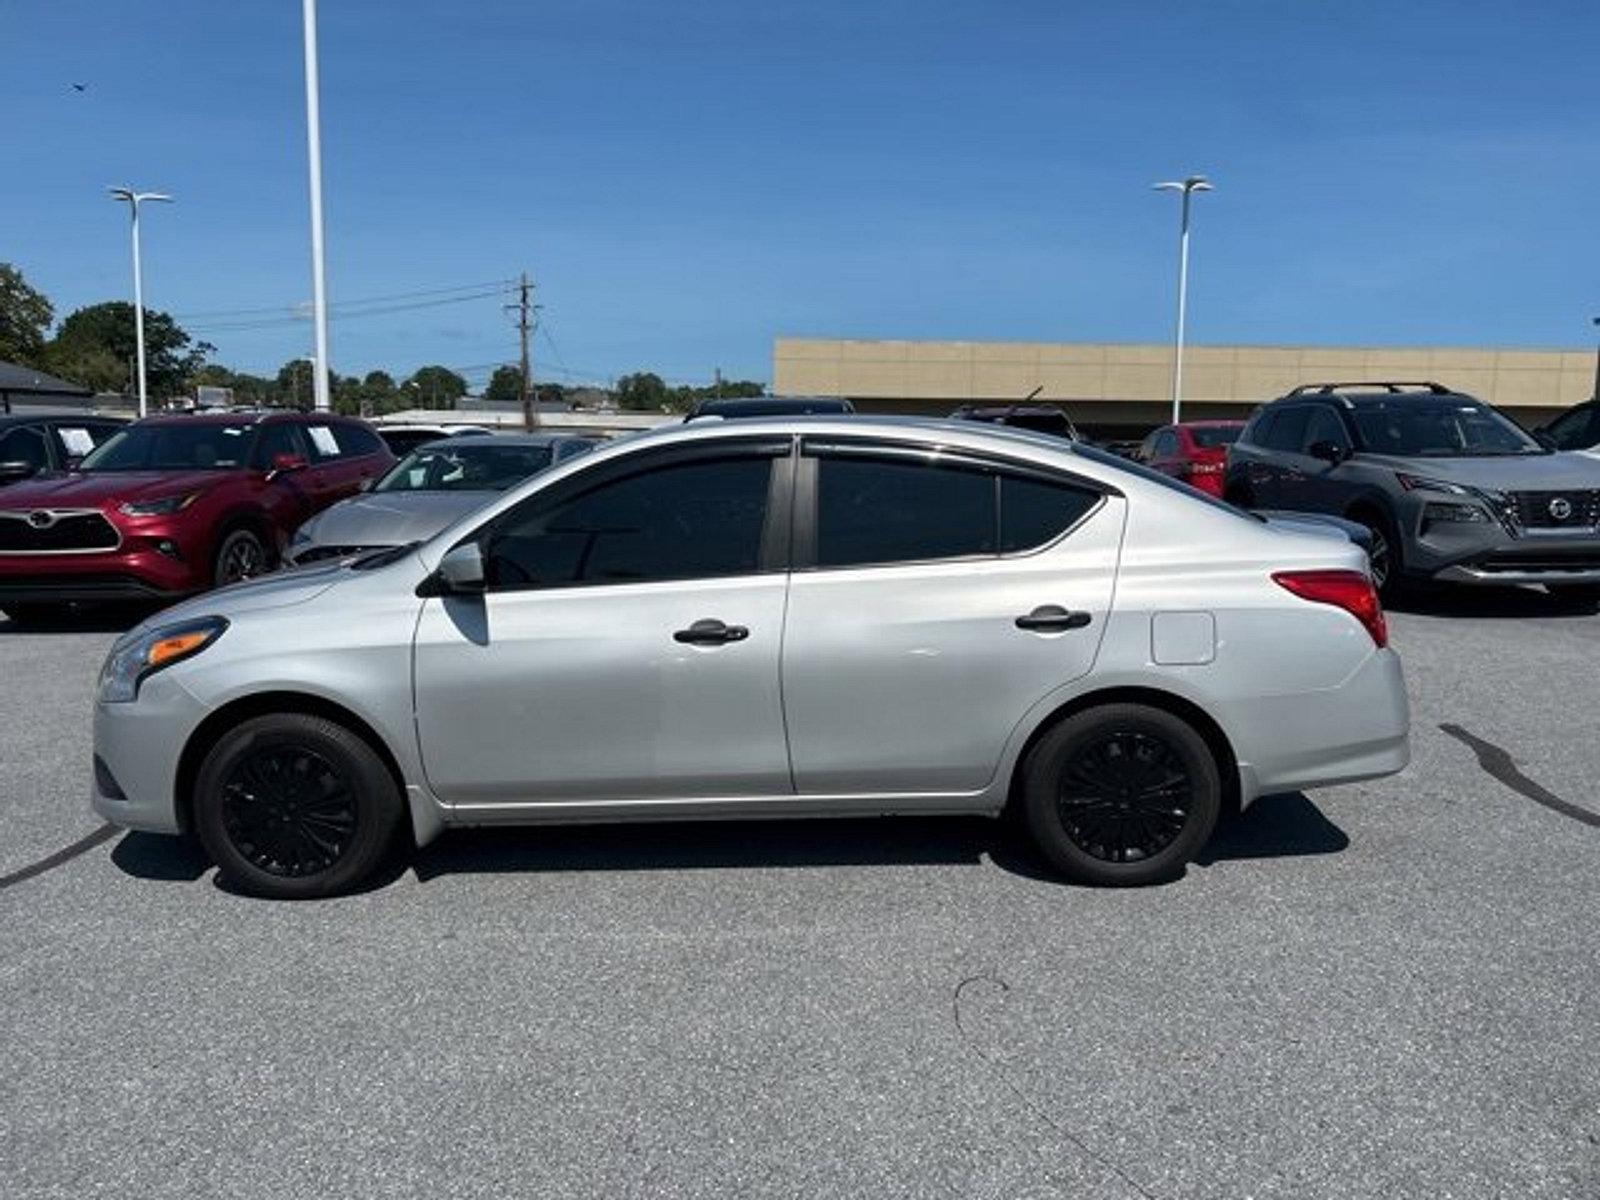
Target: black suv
point(1450, 489)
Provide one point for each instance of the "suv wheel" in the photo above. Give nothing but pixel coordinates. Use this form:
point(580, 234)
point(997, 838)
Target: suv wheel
point(294, 806)
point(1122, 794)
point(1384, 558)
point(241, 555)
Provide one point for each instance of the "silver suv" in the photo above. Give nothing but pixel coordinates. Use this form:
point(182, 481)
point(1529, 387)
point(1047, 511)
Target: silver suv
point(1450, 489)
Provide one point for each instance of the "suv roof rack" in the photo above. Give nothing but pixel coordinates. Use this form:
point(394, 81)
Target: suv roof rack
point(1387, 385)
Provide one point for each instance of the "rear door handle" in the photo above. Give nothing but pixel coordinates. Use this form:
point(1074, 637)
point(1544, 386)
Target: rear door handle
point(711, 632)
point(1052, 618)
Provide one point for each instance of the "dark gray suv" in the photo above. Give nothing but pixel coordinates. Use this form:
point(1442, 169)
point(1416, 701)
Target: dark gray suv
point(1451, 489)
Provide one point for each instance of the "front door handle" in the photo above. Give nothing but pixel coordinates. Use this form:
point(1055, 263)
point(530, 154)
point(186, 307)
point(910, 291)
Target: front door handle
point(1052, 618)
point(711, 632)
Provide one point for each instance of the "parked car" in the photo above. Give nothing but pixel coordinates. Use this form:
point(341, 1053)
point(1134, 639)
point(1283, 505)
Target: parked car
point(1194, 452)
point(428, 489)
point(734, 408)
point(1576, 429)
point(1449, 489)
point(807, 618)
point(38, 444)
point(402, 439)
point(1041, 418)
point(173, 505)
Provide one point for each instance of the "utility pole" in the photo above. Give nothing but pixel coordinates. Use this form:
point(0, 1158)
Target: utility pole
point(718, 384)
point(530, 408)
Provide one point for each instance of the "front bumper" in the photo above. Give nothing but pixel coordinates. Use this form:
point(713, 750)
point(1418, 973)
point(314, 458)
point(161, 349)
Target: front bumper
point(1493, 553)
point(137, 747)
point(135, 572)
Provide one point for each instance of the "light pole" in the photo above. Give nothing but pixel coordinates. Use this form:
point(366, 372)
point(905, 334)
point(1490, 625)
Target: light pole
point(1194, 183)
point(134, 199)
point(1596, 395)
point(319, 291)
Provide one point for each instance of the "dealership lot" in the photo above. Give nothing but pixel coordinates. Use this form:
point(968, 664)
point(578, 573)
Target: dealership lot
point(1383, 989)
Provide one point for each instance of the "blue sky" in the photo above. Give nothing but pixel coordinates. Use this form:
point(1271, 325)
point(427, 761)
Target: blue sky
point(688, 180)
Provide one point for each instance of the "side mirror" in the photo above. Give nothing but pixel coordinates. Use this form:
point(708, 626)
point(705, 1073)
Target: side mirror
point(461, 571)
point(16, 472)
point(1329, 452)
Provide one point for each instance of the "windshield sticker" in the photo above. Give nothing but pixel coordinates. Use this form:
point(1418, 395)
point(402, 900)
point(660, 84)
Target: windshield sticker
point(322, 439)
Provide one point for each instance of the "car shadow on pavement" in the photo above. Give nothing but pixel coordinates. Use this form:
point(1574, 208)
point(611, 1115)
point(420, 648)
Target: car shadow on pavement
point(1273, 827)
point(100, 619)
point(1490, 602)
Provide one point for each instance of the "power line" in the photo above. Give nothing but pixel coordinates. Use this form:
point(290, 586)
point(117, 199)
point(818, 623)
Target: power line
point(281, 308)
point(290, 319)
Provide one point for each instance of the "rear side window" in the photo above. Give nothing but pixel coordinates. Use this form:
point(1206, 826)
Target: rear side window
point(324, 443)
point(1286, 429)
point(694, 520)
point(890, 510)
point(356, 442)
point(1034, 512)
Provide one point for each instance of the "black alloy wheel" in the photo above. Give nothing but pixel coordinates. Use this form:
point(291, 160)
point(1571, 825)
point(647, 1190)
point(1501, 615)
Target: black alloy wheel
point(242, 555)
point(288, 810)
point(292, 806)
point(1124, 796)
point(1121, 794)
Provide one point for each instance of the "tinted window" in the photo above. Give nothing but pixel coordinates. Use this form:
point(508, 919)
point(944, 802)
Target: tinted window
point(75, 439)
point(355, 441)
point(1325, 426)
point(1576, 430)
point(1286, 429)
point(403, 441)
point(273, 441)
point(173, 446)
point(324, 443)
point(1166, 443)
point(1035, 511)
point(1208, 437)
point(465, 465)
point(690, 521)
point(24, 445)
point(887, 510)
point(1443, 427)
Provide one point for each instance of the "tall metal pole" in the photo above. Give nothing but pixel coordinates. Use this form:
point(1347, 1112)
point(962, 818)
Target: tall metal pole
point(138, 305)
point(530, 415)
point(1596, 395)
point(319, 290)
point(1194, 183)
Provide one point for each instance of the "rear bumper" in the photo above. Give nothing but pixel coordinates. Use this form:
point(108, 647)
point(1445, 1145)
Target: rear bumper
point(1358, 730)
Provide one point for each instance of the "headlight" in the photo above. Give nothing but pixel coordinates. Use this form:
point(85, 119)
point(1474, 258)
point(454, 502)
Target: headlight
point(140, 655)
point(157, 508)
point(1419, 483)
point(1459, 513)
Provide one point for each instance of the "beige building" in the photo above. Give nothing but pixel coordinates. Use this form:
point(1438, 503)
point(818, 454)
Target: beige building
point(1127, 388)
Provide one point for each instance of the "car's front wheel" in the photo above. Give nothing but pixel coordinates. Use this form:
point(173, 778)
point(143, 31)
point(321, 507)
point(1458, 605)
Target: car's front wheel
point(241, 555)
point(294, 806)
point(1121, 794)
point(1385, 557)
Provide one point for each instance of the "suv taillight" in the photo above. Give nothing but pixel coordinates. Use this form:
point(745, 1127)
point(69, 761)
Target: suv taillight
point(1349, 590)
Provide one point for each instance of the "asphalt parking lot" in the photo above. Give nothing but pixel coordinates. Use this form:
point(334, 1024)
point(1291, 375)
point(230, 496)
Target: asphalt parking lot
point(1376, 990)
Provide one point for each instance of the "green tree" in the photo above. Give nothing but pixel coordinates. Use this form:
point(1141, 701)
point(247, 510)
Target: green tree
point(435, 387)
point(296, 383)
point(171, 356)
point(25, 317)
point(643, 391)
point(504, 384)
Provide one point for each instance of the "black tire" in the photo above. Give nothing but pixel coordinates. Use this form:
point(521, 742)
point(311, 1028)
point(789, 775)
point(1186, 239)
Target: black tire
point(294, 806)
point(1145, 795)
point(241, 554)
point(1386, 556)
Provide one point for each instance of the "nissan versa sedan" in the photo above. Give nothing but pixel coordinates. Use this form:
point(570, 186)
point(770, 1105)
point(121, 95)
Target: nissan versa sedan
point(811, 616)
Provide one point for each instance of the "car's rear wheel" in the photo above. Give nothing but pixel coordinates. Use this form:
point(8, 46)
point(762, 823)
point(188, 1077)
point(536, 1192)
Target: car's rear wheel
point(241, 555)
point(1121, 794)
point(294, 806)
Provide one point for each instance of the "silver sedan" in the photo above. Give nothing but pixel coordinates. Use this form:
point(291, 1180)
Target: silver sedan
point(795, 617)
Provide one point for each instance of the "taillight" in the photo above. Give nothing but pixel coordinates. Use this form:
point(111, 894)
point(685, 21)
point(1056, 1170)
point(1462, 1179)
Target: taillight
point(1349, 590)
point(1207, 468)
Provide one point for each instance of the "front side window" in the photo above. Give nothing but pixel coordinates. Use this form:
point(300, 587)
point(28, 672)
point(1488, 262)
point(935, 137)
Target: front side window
point(698, 519)
point(175, 446)
point(1325, 426)
point(275, 440)
point(1286, 429)
point(24, 445)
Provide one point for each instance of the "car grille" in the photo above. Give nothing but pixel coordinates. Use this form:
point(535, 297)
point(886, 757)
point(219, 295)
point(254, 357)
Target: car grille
point(1539, 510)
point(56, 531)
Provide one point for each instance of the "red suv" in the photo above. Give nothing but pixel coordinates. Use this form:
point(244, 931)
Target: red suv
point(1194, 451)
point(174, 505)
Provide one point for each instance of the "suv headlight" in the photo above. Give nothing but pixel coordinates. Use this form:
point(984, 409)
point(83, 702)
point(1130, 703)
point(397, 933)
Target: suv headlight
point(1420, 483)
point(163, 507)
point(136, 657)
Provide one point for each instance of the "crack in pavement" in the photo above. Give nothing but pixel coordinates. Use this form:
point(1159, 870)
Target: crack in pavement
point(1027, 1101)
point(1502, 766)
point(66, 854)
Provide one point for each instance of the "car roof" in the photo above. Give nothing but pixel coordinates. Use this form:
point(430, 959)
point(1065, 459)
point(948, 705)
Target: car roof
point(771, 405)
point(239, 417)
point(1210, 423)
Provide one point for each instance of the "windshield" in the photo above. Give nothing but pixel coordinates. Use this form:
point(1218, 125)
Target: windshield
point(207, 445)
point(465, 465)
point(1208, 437)
point(1442, 428)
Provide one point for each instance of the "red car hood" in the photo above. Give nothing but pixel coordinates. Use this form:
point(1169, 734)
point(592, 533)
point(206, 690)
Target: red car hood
point(95, 489)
